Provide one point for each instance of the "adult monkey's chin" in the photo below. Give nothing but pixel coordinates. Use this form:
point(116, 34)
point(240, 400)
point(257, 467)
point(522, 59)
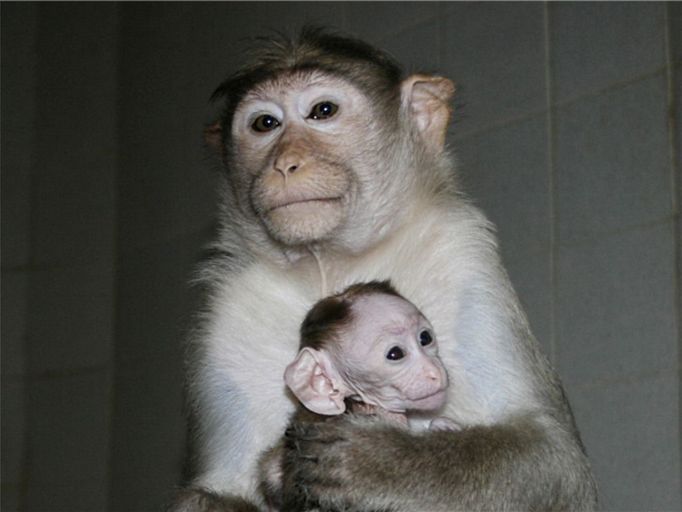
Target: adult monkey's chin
point(303, 222)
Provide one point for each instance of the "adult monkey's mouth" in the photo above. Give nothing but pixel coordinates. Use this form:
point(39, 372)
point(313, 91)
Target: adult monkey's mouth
point(309, 201)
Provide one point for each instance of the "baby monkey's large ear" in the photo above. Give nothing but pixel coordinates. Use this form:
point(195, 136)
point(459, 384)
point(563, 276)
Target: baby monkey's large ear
point(427, 100)
point(315, 382)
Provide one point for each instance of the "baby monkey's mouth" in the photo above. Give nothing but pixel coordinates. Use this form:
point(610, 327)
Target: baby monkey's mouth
point(428, 402)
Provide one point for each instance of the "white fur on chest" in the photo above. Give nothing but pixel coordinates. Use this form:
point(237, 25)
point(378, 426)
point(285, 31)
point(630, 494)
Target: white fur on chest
point(448, 268)
point(438, 263)
point(253, 334)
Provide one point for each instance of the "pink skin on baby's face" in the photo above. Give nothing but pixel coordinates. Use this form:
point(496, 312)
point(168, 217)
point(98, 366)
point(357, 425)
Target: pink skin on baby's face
point(388, 356)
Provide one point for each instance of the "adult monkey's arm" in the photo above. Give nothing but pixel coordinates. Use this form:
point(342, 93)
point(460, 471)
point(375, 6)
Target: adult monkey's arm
point(524, 464)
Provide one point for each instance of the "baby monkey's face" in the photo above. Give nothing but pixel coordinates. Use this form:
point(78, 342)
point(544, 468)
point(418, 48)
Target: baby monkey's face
point(388, 356)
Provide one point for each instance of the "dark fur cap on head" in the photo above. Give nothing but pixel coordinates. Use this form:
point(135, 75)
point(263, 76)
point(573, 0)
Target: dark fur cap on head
point(330, 314)
point(370, 69)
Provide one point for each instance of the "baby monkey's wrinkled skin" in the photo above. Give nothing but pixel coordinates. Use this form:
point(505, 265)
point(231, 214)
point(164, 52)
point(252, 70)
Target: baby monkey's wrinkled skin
point(367, 350)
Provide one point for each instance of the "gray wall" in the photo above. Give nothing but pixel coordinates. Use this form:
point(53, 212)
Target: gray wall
point(567, 129)
point(59, 165)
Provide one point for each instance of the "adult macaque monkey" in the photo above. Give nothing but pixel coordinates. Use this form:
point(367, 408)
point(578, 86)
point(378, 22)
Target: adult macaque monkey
point(336, 173)
point(366, 350)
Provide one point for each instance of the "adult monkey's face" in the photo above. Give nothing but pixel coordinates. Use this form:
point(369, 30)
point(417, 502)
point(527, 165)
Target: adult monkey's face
point(323, 141)
point(301, 152)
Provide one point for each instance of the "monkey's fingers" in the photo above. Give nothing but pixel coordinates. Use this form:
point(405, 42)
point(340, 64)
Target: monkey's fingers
point(312, 454)
point(320, 488)
point(307, 481)
point(319, 433)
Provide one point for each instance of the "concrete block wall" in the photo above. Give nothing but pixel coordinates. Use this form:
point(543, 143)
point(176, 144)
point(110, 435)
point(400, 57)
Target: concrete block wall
point(567, 130)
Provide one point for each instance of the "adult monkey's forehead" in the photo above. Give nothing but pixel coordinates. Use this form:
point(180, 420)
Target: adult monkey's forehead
point(355, 61)
point(296, 82)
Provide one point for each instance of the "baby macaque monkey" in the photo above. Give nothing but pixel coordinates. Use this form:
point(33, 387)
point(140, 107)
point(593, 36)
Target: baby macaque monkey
point(370, 348)
point(366, 350)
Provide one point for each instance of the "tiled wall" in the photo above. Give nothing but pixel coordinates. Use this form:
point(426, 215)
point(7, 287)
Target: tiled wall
point(59, 161)
point(567, 144)
point(18, 109)
point(567, 132)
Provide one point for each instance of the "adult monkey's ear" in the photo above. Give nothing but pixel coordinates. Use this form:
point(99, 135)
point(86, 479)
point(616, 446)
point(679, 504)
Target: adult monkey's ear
point(213, 135)
point(427, 101)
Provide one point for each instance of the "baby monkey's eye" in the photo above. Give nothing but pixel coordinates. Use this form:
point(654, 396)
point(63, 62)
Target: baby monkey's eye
point(395, 353)
point(425, 338)
point(323, 110)
point(264, 123)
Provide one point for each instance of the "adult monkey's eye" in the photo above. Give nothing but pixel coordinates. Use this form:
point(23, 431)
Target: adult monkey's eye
point(265, 123)
point(425, 338)
point(395, 353)
point(323, 110)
